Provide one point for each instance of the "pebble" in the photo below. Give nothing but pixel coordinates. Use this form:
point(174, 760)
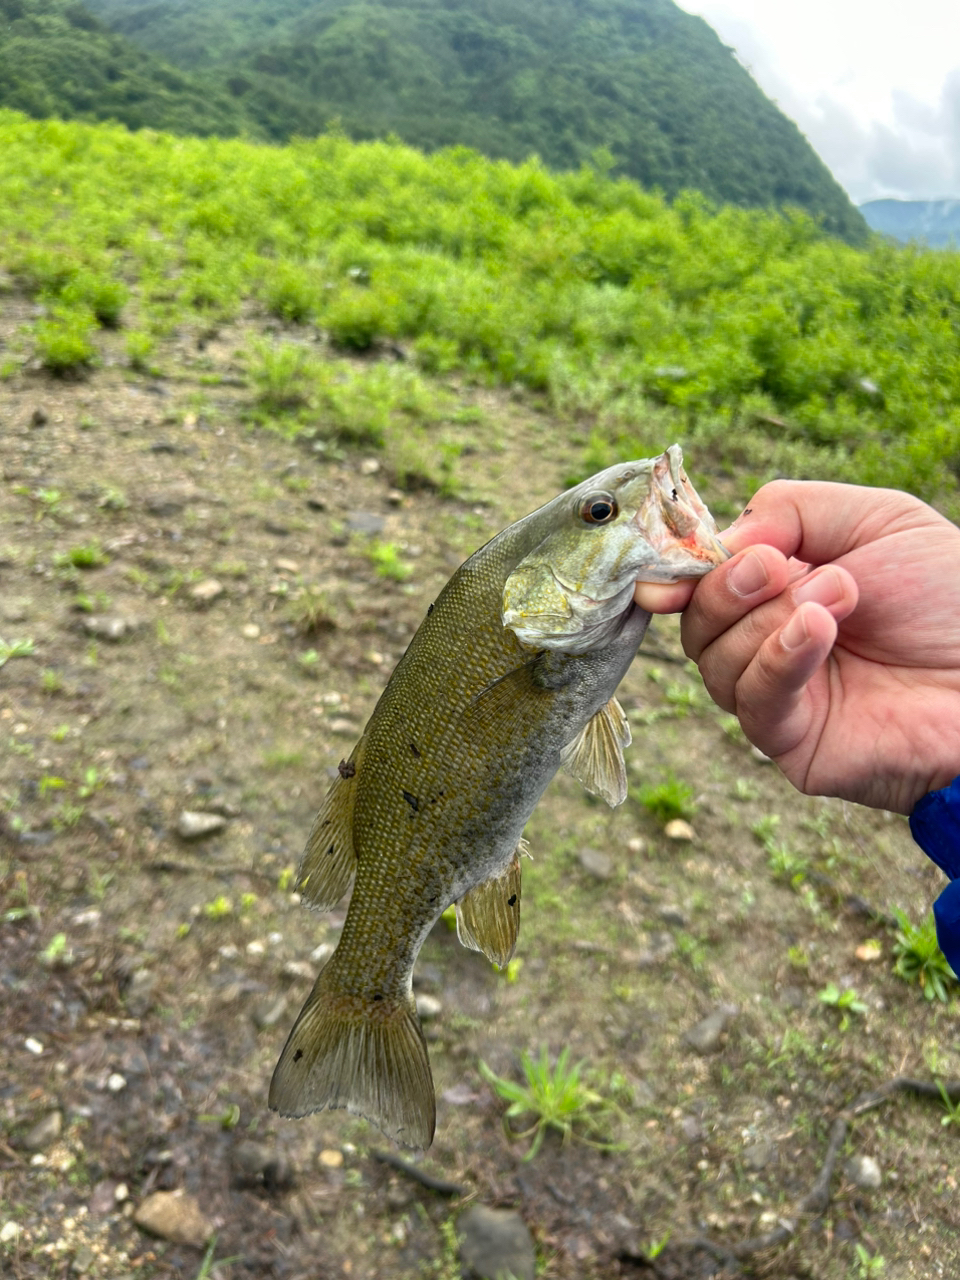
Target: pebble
point(596, 863)
point(9, 1232)
point(283, 565)
point(677, 829)
point(33, 1046)
point(257, 1163)
point(108, 627)
point(636, 844)
point(759, 1155)
point(299, 969)
point(495, 1243)
point(331, 1158)
point(116, 1083)
point(173, 1215)
point(365, 522)
point(369, 467)
point(44, 1132)
point(207, 591)
point(863, 1172)
point(250, 632)
point(428, 1006)
point(869, 951)
point(194, 824)
point(39, 417)
point(673, 915)
point(705, 1036)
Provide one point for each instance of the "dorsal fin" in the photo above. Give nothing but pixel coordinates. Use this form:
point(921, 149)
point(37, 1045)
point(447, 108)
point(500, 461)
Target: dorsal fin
point(595, 756)
point(329, 860)
point(488, 915)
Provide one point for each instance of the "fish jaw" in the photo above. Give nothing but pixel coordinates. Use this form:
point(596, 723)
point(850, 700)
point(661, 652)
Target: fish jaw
point(572, 591)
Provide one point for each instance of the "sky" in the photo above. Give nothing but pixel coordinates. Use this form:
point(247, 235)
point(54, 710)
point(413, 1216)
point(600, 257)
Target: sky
point(873, 84)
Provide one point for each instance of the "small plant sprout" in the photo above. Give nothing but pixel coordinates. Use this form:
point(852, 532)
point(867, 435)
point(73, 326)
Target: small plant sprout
point(668, 800)
point(387, 563)
point(919, 958)
point(846, 1001)
point(89, 556)
point(219, 908)
point(869, 1267)
point(14, 649)
point(555, 1097)
point(952, 1108)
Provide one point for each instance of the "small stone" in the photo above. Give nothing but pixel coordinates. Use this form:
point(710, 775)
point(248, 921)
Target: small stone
point(321, 954)
point(269, 1013)
point(112, 627)
point(33, 1046)
point(82, 1260)
point(44, 1132)
point(317, 503)
point(863, 1172)
point(705, 1036)
point(207, 591)
point(258, 1164)
point(331, 1158)
point(39, 417)
point(636, 844)
point(759, 1155)
point(596, 863)
point(369, 467)
point(365, 522)
point(121, 1192)
point(195, 825)
point(395, 497)
point(673, 915)
point(286, 566)
point(342, 726)
point(138, 996)
point(869, 951)
point(692, 1129)
point(496, 1244)
point(116, 1083)
point(662, 947)
point(250, 632)
point(677, 829)
point(428, 1007)
point(299, 969)
point(174, 1216)
point(9, 1232)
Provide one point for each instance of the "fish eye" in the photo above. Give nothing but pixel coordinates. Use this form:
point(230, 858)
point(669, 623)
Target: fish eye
point(598, 508)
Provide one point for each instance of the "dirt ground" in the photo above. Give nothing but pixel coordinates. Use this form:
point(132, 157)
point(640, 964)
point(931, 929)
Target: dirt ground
point(195, 623)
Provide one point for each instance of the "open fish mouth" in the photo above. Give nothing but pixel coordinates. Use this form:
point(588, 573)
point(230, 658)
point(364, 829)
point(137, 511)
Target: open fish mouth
point(678, 526)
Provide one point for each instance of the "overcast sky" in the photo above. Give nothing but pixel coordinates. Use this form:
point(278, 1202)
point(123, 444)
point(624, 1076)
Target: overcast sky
point(874, 84)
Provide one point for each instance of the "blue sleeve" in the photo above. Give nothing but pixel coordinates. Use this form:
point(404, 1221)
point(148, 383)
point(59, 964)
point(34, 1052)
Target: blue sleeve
point(935, 825)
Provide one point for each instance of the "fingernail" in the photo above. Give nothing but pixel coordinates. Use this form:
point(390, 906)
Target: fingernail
point(823, 588)
point(748, 576)
point(794, 634)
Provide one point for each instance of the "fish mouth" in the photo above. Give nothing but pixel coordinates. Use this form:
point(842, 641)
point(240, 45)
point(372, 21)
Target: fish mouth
point(677, 524)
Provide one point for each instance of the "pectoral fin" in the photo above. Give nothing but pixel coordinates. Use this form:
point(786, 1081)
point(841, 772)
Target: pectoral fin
point(329, 860)
point(595, 756)
point(488, 916)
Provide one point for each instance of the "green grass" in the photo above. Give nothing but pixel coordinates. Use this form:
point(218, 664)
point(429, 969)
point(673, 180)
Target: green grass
point(667, 800)
point(919, 958)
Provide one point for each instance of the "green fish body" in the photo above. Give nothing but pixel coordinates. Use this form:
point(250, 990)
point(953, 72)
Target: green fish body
point(511, 675)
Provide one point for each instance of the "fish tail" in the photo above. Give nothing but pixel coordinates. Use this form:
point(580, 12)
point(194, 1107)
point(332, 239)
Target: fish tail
point(364, 1054)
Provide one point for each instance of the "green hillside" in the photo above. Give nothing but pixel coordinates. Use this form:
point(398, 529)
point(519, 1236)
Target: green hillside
point(559, 78)
point(765, 343)
point(57, 59)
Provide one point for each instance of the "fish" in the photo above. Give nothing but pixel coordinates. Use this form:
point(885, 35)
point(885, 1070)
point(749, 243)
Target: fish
point(511, 675)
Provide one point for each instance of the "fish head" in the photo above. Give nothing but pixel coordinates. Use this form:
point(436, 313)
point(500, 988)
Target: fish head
point(635, 521)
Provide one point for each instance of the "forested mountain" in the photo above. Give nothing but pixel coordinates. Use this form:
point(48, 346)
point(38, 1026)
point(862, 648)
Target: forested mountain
point(509, 77)
point(56, 58)
point(559, 78)
point(932, 222)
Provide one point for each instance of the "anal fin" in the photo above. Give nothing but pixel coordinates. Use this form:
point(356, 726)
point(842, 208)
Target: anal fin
point(488, 915)
point(329, 859)
point(595, 756)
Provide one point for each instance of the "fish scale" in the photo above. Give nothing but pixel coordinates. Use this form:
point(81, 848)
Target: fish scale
point(512, 672)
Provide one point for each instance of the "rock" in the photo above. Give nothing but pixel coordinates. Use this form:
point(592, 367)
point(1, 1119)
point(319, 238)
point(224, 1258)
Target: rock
point(673, 915)
point(365, 522)
point(317, 503)
point(677, 829)
point(116, 1083)
point(692, 1129)
point(369, 466)
point(636, 844)
point(595, 863)
point(428, 1006)
point(39, 417)
point(207, 591)
point(286, 566)
point(495, 1244)
point(257, 1164)
point(863, 1172)
point(869, 951)
point(44, 1133)
point(705, 1036)
point(759, 1155)
point(195, 825)
point(173, 1215)
point(109, 627)
point(299, 969)
point(139, 995)
point(269, 1012)
point(330, 1158)
point(250, 631)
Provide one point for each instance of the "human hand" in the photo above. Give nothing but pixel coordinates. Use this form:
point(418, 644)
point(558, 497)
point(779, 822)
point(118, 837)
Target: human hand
point(848, 673)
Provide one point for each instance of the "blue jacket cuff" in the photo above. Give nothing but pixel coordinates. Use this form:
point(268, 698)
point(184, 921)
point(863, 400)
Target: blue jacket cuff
point(935, 826)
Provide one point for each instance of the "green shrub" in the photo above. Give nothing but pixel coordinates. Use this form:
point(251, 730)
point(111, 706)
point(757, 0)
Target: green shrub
point(64, 340)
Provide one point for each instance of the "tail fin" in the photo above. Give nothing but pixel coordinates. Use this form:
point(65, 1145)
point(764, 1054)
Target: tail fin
point(367, 1056)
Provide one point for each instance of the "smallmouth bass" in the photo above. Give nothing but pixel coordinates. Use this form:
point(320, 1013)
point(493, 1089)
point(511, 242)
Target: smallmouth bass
point(510, 676)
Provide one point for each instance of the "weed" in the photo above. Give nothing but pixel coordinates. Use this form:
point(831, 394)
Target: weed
point(140, 347)
point(668, 800)
point(207, 1264)
point(113, 499)
point(385, 557)
point(49, 783)
point(219, 908)
point(919, 958)
point(311, 612)
point(14, 649)
point(557, 1098)
point(56, 952)
point(64, 341)
point(952, 1108)
point(765, 827)
point(282, 758)
point(846, 1001)
point(309, 662)
point(869, 1267)
point(785, 865)
point(744, 790)
point(90, 556)
point(60, 733)
point(92, 782)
